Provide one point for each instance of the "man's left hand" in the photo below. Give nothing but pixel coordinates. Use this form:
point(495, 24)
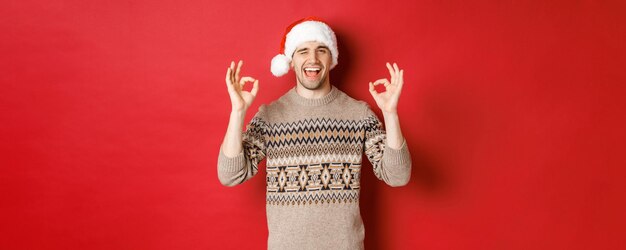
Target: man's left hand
point(387, 101)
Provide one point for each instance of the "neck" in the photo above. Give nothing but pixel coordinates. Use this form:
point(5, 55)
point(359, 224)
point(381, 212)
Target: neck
point(298, 99)
point(315, 93)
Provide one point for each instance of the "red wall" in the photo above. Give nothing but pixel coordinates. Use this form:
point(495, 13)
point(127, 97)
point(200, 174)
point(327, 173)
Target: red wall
point(113, 113)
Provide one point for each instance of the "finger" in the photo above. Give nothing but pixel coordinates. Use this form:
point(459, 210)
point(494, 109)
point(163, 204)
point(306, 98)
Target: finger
point(381, 81)
point(229, 83)
point(400, 81)
point(397, 70)
point(232, 72)
point(238, 70)
point(391, 71)
point(373, 90)
point(245, 79)
point(227, 75)
point(255, 88)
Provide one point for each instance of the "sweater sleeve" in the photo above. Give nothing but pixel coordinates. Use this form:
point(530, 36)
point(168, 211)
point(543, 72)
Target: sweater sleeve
point(232, 171)
point(393, 166)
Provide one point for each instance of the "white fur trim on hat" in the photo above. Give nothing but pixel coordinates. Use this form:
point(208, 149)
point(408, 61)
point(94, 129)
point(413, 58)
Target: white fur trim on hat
point(280, 65)
point(307, 31)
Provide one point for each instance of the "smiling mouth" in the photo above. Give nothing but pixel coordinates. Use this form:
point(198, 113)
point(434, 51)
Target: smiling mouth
point(312, 72)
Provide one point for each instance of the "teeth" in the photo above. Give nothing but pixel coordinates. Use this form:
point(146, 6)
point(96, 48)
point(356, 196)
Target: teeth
point(312, 69)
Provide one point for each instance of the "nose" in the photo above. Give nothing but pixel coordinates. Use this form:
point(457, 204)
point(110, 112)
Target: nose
point(312, 57)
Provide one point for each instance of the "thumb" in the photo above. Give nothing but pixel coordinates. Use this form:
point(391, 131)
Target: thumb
point(372, 90)
point(255, 88)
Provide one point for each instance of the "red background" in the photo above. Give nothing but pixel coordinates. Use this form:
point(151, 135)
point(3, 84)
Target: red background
point(113, 113)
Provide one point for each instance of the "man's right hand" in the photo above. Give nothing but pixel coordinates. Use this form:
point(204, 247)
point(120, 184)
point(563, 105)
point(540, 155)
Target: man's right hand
point(240, 99)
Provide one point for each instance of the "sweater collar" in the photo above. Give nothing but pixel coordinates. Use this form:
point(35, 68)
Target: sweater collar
point(298, 99)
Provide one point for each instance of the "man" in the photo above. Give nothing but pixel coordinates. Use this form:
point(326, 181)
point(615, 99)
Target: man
point(313, 138)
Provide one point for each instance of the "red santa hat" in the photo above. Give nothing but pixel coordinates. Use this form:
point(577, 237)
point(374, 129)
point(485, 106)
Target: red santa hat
point(310, 29)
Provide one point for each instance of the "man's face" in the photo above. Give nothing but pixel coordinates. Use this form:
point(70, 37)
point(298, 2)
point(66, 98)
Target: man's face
point(311, 62)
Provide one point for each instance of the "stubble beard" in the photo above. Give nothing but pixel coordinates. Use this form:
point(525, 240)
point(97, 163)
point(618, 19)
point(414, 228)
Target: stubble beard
point(311, 85)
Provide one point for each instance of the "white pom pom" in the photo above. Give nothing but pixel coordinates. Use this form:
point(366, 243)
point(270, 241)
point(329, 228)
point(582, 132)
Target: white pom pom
point(280, 65)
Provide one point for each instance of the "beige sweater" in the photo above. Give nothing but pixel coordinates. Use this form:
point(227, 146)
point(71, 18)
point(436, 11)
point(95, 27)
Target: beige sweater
point(313, 149)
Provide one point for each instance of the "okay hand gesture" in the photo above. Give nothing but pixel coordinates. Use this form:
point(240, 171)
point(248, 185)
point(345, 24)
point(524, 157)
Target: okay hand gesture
point(387, 101)
point(240, 99)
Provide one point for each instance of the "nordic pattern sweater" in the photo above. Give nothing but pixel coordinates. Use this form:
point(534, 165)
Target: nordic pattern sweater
point(313, 150)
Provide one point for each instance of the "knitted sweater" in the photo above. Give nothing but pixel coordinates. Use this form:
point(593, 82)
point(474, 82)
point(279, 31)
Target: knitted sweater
point(313, 149)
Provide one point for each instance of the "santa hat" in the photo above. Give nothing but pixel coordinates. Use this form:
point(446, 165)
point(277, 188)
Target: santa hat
point(310, 29)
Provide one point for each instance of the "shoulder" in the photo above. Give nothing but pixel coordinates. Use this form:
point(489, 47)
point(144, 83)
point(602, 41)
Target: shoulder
point(349, 102)
point(276, 106)
point(346, 99)
point(360, 107)
point(261, 115)
point(275, 110)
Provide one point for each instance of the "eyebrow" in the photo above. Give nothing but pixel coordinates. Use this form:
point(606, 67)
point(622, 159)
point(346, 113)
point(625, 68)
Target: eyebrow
point(318, 47)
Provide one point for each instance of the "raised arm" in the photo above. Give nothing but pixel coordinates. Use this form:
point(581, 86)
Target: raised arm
point(240, 101)
point(387, 149)
point(240, 152)
point(387, 101)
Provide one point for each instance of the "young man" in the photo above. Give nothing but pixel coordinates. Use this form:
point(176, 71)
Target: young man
point(313, 138)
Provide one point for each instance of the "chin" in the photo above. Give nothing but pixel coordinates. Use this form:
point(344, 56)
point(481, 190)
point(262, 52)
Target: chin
point(312, 85)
